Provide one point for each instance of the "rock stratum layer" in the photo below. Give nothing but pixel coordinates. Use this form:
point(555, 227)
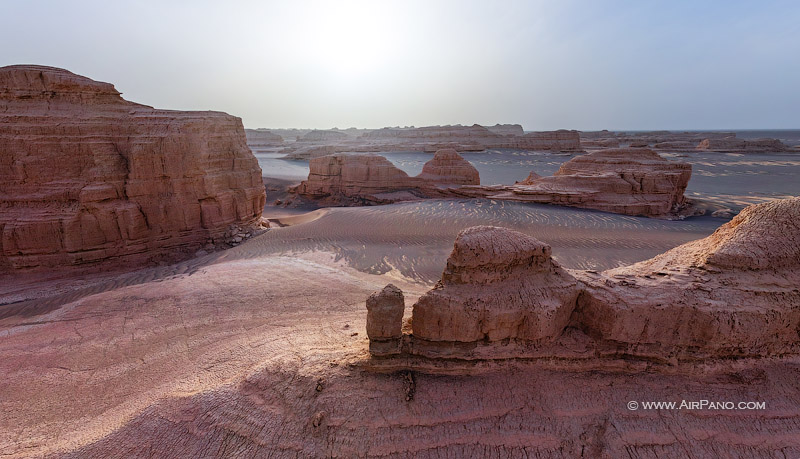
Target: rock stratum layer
point(624, 181)
point(372, 179)
point(433, 138)
point(87, 175)
point(733, 294)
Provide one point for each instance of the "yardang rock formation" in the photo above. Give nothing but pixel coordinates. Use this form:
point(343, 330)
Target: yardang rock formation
point(733, 294)
point(87, 175)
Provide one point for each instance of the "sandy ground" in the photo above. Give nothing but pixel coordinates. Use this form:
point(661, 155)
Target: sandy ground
point(260, 351)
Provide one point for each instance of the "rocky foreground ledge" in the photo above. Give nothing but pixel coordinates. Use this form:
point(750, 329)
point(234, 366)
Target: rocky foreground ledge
point(734, 294)
point(87, 176)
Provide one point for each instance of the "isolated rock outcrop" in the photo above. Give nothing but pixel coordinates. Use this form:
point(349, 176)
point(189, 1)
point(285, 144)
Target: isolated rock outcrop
point(344, 179)
point(732, 294)
point(385, 320)
point(86, 175)
point(498, 285)
point(625, 181)
point(448, 167)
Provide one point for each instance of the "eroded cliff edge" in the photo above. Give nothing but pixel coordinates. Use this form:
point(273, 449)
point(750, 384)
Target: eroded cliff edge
point(86, 175)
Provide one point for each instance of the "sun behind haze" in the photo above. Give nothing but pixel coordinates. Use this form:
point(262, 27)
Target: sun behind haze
point(547, 65)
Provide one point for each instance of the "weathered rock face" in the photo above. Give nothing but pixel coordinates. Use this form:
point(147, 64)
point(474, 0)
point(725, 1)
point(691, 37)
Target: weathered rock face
point(262, 138)
point(734, 293)
point(448, 167)
point(86, 175)
point(561, 140)
point(499, 284)
point(625, 181)
point(385, 320)
point(372, 179)
point(317, 135)
point(354, 178)
point(739, 145)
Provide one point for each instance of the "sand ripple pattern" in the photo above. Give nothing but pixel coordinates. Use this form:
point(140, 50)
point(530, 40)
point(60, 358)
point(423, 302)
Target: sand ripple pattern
point(415, 238)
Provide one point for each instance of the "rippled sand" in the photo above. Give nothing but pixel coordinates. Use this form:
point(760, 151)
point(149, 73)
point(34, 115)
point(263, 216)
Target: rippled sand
point(415, 238)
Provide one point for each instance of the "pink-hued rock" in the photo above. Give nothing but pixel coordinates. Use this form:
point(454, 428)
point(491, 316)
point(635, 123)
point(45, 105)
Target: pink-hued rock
point(385, 320)
point(448, 167)
point(87, 175)
point(343, 179)
point(741, 146)
point(734, 293)
point(498, 284)
point(625, 181)
point(385, 313)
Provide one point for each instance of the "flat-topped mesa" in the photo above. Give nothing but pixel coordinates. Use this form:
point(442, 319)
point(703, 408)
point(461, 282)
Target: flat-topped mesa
point(732, 294)
point(262, 138)
point(344, 179)
point(320, 135)
point(626, 181)
point(734, 145)
point(448, 167)
point(89, 176)
point(498, 285)
point(506, 129)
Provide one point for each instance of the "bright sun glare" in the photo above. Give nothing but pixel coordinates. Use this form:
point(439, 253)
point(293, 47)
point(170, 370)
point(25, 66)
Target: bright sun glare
point(350, 39)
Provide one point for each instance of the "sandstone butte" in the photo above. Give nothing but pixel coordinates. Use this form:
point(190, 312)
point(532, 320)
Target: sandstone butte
point(626, 181)
point(629, 181)
point(372, 179)
point(731, 295)
point(88, 176)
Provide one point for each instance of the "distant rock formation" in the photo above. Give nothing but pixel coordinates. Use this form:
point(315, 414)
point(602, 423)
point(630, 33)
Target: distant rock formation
point(309, 152)
point(372, 179)
point(506, 129)
point(624, 181)
point(318, 135)
point(262, 138)
point(448, 167)
point(733, 145)
point(733, 294)
point(433, 138)
point(87, 175)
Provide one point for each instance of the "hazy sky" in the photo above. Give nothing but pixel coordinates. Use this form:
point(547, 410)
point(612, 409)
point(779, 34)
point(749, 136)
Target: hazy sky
point(545, 64)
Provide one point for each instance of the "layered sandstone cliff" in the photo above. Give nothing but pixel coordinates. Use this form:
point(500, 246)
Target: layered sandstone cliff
point(498, 285)
point(733, 294)
point(734, 145)
point(448, 167)
point(86, 175)
point(372, 179)
point(624, 181)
